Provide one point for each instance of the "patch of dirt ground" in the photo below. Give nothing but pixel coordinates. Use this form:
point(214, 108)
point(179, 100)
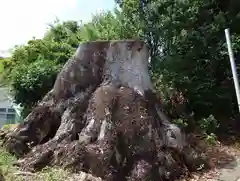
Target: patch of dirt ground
point(224, 159)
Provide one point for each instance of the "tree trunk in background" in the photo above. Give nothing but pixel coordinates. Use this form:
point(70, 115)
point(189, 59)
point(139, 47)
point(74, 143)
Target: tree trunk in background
point(102, 117)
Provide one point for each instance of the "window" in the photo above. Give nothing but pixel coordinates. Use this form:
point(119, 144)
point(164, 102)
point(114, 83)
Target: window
point(10, 117)
point(11, 110)
point(2, 116)
point(2, 109)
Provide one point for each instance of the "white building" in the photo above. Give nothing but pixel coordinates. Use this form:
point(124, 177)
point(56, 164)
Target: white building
point(9, 112)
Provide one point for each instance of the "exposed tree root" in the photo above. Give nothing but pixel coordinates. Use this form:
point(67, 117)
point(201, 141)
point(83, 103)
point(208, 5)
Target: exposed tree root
point(104, 119)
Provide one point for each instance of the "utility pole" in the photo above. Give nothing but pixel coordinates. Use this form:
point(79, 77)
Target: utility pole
point(233, 66)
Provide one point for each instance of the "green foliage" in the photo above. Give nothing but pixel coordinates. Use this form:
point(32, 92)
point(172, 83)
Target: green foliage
point(5, 63)
point(109, 26)
point(181, 122)
point(6, 159)
point(208, 125)
point(8, 126)
point(1, 67)
point(32, 81)
point(66, 32)
point(211, 139)
point(42, 49)
point(188, 50)
point(32, 68)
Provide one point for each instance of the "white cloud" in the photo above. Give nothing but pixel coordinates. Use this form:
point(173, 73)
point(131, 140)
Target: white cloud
point(20, 20)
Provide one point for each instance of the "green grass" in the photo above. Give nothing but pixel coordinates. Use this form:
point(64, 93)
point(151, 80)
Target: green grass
point(8, 127)
point(12, 173)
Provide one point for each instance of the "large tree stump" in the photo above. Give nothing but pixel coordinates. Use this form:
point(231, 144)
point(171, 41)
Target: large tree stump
point(102, 117)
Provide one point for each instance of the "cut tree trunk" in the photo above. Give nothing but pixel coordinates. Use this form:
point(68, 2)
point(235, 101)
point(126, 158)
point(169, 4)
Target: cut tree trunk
point(102, 117)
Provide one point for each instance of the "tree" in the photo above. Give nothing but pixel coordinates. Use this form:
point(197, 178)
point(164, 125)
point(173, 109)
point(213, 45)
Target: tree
point(33, 81)
point(110, 26)
point(33, 70)
point(58, 44)
point(66, 32)
point(188, 50)
point(33, 67)
point(102, 116)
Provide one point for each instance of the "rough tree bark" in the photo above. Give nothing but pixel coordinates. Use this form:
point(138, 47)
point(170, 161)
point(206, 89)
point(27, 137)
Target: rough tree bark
point(102, 117)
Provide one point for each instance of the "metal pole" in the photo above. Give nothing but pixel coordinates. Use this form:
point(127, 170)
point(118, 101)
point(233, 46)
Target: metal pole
point(233, 66)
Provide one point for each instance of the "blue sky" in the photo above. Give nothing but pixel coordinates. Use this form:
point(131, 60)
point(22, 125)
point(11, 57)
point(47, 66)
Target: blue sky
point(20, 20)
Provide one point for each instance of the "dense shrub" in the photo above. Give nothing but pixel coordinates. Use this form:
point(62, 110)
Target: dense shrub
point(31, 82)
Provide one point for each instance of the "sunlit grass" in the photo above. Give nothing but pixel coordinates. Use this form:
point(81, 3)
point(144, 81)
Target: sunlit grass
point(12, 173)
